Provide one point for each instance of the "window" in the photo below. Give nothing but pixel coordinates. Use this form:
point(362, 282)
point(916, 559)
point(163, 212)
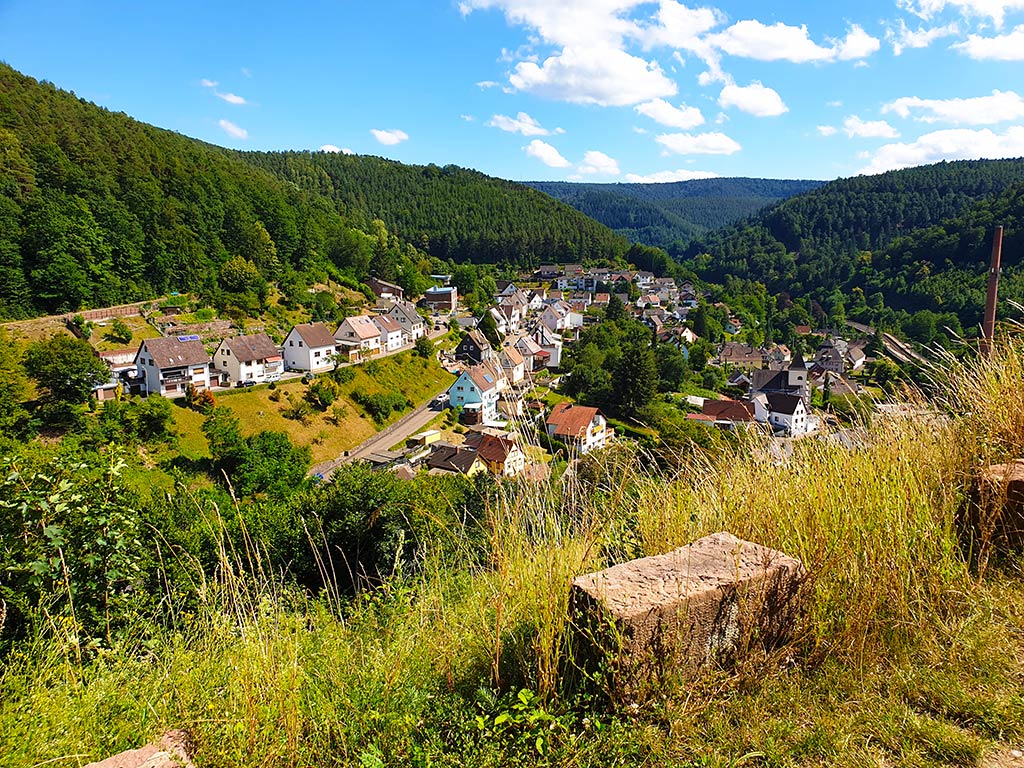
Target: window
point(291, 343)
point(198, 371)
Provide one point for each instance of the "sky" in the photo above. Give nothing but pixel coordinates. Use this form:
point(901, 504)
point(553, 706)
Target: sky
point(564, 90)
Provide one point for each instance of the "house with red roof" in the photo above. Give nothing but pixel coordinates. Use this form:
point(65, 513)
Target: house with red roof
point(579, 426)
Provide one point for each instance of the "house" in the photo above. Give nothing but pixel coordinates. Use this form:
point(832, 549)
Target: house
point(733, 325)
point(740, 356)
point(441, 298)
point(783, 412)
point(391, 336)
point(167, 366)
point(474, 347)
point(500, 321)
point(728, 413)
point(581, 427)
point(855, 355)
point(358, 337)
point(477, 391)
point(548, 271)
point(249, 358)
point(124, 375)
point(831, 355)
point(501, 455)
point(551, 343)
point(455, 459)
point(385, 290)
point(309, 347)
point(792, 380)
point(534, 357)
point(602, 299)
point(512, 364)
point(405, 314)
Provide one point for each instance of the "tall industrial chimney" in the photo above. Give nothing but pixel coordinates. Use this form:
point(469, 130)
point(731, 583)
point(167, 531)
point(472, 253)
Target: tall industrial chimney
point(988, 327)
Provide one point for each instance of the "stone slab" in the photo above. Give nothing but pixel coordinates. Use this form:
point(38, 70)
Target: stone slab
point(996, 509)
point(706, 602)
point(171, 752)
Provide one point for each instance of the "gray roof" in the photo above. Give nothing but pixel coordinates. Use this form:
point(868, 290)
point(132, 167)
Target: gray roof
point(173, 353)
point(248, 348)
point(315, 335)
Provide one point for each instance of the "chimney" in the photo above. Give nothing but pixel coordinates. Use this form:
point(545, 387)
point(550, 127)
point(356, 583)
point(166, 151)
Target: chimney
point(988, 327)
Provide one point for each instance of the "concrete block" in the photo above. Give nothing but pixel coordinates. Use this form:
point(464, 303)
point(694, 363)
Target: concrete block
point(995, 511)
point(706, 602)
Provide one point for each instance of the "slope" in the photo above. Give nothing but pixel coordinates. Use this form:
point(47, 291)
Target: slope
point(675, 212)
point(450, 212)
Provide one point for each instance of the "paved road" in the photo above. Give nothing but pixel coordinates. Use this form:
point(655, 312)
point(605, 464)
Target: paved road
point(398, 432)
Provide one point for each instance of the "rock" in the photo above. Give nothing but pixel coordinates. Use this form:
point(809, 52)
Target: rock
point(707, 602)
point(995, 510)
point(171, 752)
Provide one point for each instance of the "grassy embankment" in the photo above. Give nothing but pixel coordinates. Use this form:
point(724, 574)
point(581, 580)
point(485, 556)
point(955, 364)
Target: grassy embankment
point(907, 656)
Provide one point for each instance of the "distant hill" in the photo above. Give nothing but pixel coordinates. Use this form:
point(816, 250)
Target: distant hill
point(916, 236)
point(449, 212)
point(673, 214)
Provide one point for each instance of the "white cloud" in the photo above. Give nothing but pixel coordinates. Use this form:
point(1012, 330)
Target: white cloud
point(598, 162)
point(755, 99)
point(660, 111)
point(233, 130)
point(680, 27)
point(598, 23)
point(230, 98)
point(546, 153)
point(389, 137)
point(752, 39)
point(208, 83)
point(698, 144)
point(835, 103)
point(868, 129)
point(827, 130)
point(521, 123)
point(1000, 48)
point(641, 131)
point(951, 144)
point(904, 38)
point(602, 76)
point(991, 9)
point(857, 45)
point(980, 110)
point(468, 118)
point(663, 177)
point(558, 131)
point(485, 84)
point(336, 150)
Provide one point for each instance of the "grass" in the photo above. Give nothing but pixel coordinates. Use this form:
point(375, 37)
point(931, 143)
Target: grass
point(907, 655)
point(139, 326)
point(416, 378)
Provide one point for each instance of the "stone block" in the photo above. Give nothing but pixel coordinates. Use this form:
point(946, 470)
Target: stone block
point(995, 511)
point(171, 752)
point(707, 602)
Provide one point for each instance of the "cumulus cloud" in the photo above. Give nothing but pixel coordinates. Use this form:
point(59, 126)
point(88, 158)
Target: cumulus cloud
point(230, 98)
point(663, 177)
point(698, 144)
point(595, 162)
point(1008, 47)
point(950, 144)
point(233, 130)
point(980, 110)
point(567, 22)
point(904, 38)
point(521, 123)
point(678, 26)
point(752, 39)
point(827, 130)
point(660, 111)
point(868, 129)
point(755, 99)
point(389, 137)
point(991, 9)
point(588, 75)
point(546, 153)
point(336, 150)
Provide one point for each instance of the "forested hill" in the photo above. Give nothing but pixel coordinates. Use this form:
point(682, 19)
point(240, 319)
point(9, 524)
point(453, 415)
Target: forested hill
point(673, 214)
point(450, 212)
point(816, 242)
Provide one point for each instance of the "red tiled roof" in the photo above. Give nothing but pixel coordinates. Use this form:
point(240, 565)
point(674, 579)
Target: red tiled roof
point(570, 420)
point(729, 410)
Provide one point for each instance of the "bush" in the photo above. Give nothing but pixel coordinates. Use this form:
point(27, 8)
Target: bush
point(381, 405)
point(344, 375)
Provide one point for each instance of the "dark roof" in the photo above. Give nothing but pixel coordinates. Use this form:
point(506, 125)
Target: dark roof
point(767, 381)
point(315, 335)
point(172, 353)
point(452, 458)
point(798, 363)
point(779, 402)
point(477, 337)
point(256, 347)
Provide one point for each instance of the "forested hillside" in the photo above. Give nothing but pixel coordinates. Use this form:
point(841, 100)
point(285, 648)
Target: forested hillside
point(450, 212)
point(675, 213)
point(853, 232)
point(97, 209)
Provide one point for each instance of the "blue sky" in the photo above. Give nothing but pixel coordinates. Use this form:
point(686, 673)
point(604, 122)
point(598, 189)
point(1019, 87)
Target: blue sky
point(595, 90)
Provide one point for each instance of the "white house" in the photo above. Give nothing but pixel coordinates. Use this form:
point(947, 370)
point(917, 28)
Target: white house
point(167, 366)
point(309, 347)
point(391, 337)
point(551, 343)
point(405, 314)
point(579, 426)
point(512, 363)
point(359, 334)
point(249, 358)
point(783, 412)
point(477, 391)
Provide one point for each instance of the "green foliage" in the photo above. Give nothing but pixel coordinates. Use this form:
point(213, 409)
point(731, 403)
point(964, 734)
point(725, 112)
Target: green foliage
point(200, 400)
point(381, 404)
point(424, 347)
point(146, 420)
point(323, 392)
point(65, 368)
point(14, 387)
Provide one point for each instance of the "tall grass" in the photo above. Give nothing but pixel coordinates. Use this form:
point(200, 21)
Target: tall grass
point(262, 675)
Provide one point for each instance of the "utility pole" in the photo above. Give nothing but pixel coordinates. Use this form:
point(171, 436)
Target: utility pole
point(988, 327)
